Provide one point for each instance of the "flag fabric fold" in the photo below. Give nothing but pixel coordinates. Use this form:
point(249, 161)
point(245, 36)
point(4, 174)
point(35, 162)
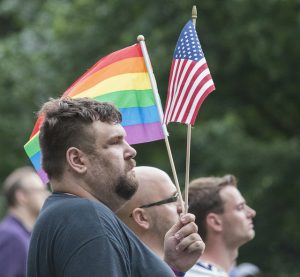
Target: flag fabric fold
point(122, 79)
point(190, 81)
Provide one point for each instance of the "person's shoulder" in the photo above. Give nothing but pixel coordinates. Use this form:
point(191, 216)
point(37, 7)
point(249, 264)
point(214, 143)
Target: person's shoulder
point(65, 202)
point(8, 234)
point(61, 208)
point(11, 235)
point(10, 228)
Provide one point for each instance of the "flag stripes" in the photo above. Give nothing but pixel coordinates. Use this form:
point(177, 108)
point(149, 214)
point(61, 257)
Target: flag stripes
point(190, 80)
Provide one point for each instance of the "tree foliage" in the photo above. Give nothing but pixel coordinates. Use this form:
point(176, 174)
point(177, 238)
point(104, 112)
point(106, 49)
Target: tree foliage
point(249, 126)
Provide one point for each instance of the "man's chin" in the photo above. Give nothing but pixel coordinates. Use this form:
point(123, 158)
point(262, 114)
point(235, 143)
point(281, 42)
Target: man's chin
point(126, 188)
point(250, 236)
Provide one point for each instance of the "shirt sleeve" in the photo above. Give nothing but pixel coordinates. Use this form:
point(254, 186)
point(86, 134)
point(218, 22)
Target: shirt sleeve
point(101, 256)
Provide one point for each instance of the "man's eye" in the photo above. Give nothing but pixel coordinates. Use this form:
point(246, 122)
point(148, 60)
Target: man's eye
point(117, 140)
point(241, 207)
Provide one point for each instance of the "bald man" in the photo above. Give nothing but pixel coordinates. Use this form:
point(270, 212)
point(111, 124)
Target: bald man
point(154, 208)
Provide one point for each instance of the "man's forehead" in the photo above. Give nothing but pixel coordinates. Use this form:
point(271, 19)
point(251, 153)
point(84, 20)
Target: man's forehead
point(167, 188)
point(231, 194)
point(109, 129)
point(117, 131)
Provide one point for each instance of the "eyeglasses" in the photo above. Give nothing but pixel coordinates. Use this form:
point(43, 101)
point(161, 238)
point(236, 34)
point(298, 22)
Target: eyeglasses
point(171, 199)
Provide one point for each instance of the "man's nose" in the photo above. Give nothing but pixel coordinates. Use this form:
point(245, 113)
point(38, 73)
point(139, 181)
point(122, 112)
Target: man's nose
point(251, 212)
point(130, 152)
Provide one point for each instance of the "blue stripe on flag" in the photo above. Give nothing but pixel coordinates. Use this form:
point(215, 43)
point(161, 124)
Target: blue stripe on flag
point(36, 160)
point(139, 115)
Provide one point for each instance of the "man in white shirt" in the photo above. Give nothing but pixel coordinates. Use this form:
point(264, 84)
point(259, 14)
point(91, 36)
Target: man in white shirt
point(224, 223)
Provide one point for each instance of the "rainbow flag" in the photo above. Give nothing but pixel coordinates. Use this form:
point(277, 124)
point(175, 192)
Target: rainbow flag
point(120, 78)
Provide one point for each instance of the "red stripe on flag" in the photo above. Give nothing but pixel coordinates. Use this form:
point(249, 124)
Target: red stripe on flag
point(188, 94)
point(193, 112)
point(176, 89)
point(207, 92)
point(128, 52)
point(175, 77)
point(191, 77)
point(37, 126)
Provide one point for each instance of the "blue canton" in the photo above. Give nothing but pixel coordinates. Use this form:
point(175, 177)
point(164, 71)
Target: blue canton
point(188, 46)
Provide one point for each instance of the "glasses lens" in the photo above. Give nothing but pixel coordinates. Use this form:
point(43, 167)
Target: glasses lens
point(171, 199)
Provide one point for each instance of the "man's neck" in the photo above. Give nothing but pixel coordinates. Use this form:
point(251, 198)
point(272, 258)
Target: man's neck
point(219, 255)
point(24, 216)
point(72, 187)
point(70, 184)
point(155, 245)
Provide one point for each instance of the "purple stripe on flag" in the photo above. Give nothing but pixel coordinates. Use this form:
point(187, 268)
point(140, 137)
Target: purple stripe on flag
point(43, 175)
point(143, 133)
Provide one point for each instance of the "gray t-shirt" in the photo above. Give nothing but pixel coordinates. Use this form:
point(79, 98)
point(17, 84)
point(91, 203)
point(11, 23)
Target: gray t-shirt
point(79, 237)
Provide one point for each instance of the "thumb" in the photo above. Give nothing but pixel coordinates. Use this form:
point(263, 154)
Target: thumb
point(184, 219)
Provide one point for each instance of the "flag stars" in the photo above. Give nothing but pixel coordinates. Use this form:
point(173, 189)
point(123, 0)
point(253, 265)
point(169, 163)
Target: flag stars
point(188, 46)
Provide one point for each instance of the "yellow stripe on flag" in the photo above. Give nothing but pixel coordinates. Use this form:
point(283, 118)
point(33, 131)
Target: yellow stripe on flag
point(130, 65)
point(131, 81)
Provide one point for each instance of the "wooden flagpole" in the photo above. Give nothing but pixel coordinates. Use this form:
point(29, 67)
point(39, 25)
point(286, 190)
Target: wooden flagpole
point(188, 142)
point(141, 41)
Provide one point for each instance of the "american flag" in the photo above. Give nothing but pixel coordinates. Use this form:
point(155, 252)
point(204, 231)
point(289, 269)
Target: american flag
point(190, 80)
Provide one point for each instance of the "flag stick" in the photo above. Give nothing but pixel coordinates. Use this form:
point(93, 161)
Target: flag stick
point(188, 141)
point(187, 167)
point(141, 40)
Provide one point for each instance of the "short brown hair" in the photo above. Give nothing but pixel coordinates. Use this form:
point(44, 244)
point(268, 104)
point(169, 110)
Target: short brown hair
point(204, 198)
point(14, 182)
point(65, 124)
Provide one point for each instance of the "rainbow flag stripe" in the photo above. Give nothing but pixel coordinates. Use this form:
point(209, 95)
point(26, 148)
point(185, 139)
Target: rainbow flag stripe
point(120, 78)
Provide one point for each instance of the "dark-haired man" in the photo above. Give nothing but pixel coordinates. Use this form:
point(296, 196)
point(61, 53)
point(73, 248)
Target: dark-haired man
point(90, 167)
point(224, 222)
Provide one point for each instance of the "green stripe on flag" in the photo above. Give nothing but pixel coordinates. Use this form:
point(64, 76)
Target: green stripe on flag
point(32, 146)
point(129, 98)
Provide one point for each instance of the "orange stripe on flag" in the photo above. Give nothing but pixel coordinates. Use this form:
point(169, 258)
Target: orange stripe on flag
point(125, 53)
point(131, 65)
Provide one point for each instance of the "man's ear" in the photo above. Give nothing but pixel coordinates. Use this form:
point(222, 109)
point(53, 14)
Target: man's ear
point(214, 222)
point(21, 199)
point(76, 159)
point(141, 218)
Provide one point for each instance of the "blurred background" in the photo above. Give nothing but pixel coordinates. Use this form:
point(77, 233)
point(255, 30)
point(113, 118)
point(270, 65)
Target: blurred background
point(248, 127)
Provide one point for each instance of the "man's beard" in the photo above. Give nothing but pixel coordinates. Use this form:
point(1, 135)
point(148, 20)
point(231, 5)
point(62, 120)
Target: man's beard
point(126, 187)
